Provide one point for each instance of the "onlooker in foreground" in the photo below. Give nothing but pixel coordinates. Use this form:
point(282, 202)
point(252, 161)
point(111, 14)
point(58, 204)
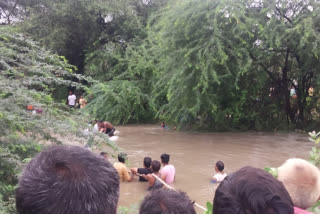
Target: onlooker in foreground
point(251, 191)
point(122, 169)
point(165, 201)
point(153, 182)
point(71, 99)
point(168, 171)
point(217, 178)
point(143, 171)
point(302, 181)
point(68, 180)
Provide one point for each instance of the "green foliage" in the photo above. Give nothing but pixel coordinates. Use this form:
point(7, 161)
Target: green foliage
point(219, 64)
point(118, 101)
point(272, 171)
point(315, 152)
point(209, 208)
point(28, 76)
point(133, 209)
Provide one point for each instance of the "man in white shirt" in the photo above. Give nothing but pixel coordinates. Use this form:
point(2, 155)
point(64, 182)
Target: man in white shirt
point(71, 99)
point(217, 178)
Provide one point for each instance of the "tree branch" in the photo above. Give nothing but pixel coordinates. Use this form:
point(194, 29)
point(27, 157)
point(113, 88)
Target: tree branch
point(283, 15)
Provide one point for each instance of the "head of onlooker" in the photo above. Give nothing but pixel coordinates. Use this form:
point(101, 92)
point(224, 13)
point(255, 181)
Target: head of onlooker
point(104, 155)
point(155, 166)
point(219, 166)
point(70, 92)
point(165, 201)
point(122, 157)
point(165, 159)
point(68, 179)
point(250, 191)
point(147, 162)
point(302, 181)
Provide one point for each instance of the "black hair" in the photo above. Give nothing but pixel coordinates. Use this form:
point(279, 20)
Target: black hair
point(165, 158)
point(251, 190)
point(103, 153)
point(122, 157)
point(155, 166)
point(165, 201)
point(220, 166)
point(68, 180)
point(147, 162)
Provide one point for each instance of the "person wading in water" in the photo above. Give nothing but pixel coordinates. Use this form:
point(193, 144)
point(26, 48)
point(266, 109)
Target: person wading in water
point(106, 127)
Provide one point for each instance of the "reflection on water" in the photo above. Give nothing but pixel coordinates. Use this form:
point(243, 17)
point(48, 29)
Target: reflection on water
point(195, 154)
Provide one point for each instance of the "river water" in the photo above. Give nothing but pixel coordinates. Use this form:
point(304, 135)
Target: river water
point(194, 156)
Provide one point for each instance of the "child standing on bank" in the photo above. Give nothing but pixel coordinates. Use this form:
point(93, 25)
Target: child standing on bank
point(217, 178)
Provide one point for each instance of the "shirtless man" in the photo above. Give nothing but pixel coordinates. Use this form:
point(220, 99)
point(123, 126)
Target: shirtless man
point(106, 127)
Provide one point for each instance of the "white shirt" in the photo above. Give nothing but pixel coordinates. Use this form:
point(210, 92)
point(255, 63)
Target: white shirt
point(95, 128)
point(72, 100)
point(220, 177)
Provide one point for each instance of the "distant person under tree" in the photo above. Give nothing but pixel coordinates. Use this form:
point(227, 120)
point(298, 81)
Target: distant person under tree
point(71, 99)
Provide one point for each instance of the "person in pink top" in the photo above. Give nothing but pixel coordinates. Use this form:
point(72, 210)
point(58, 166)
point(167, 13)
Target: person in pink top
point(168, 171)
point(300, 211)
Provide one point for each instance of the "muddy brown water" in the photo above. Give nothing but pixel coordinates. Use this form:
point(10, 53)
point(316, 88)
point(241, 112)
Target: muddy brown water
point(194, 156)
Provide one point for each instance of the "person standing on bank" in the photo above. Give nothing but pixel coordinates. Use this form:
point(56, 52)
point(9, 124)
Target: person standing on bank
point(71, 99)
point(168, 171)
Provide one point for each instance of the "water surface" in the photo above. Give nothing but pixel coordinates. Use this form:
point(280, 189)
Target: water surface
point(194, 156)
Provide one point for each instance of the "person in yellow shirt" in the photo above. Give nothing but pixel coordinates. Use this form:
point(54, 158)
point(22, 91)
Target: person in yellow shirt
point(122, 169)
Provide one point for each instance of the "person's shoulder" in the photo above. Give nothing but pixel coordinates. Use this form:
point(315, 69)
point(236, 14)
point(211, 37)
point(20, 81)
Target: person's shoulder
point(144, 170)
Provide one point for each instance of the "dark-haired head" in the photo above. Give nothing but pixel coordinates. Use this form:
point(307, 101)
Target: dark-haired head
point(122, 157)
point(220, 166)
point(147, 162)
point(165, 158)
point(249, 191)
point(165, 201)
point(68, 179)
point(155, 166)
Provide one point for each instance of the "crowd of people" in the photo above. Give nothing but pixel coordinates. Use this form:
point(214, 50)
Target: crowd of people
point(74, 180)
point(150, 172)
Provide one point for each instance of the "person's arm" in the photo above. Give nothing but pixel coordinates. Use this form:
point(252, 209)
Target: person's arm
point(104, 127)
point(150, 179)
point(163, 175)
point(214, 178)
point(126, 175)
point(134, 172)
